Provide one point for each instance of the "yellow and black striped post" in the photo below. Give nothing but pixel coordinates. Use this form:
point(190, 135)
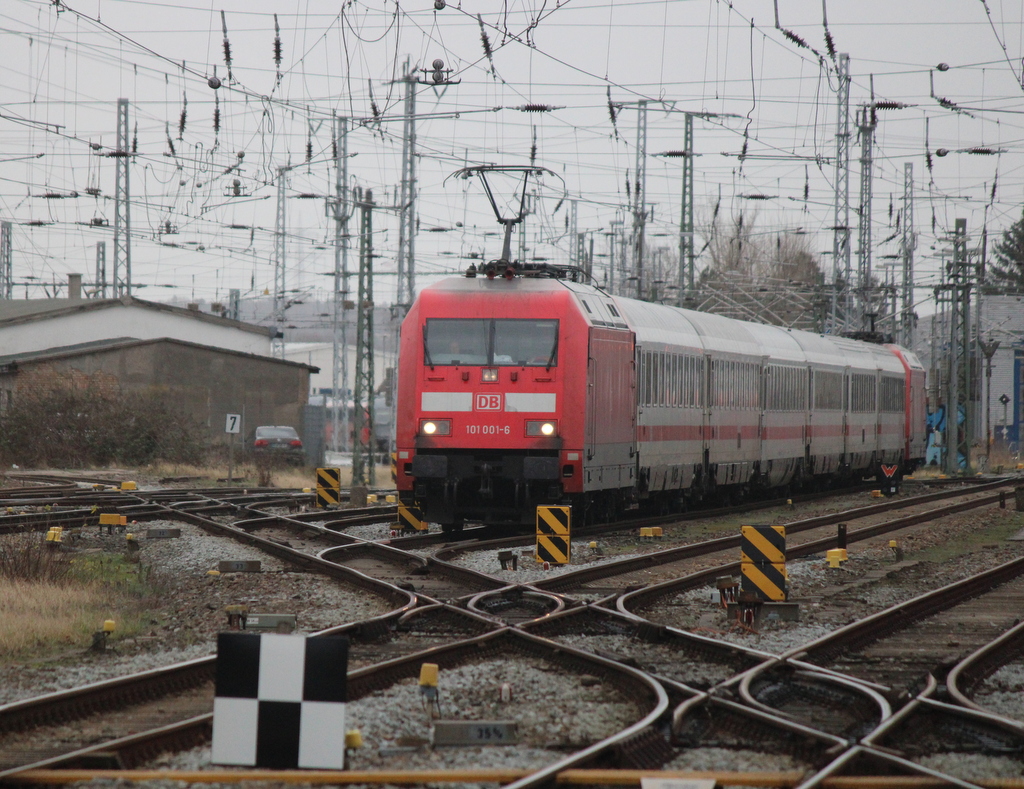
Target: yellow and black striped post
point(328, 486)
point(553, 534)
point(763, 562)
point(411, 519)
point(394, 469)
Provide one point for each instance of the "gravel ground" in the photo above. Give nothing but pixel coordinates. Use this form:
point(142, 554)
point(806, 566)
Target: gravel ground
point(556, 714)
point(185, 623)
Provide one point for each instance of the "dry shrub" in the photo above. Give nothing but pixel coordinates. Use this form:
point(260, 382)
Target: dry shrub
point(26, 557)
point(76, 426)
point(38, 615)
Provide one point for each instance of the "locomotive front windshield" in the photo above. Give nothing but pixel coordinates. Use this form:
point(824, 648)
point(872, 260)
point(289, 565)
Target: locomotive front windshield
point(495, 343)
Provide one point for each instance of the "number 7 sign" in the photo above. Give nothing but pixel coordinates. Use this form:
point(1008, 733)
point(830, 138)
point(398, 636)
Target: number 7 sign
point(233, 423)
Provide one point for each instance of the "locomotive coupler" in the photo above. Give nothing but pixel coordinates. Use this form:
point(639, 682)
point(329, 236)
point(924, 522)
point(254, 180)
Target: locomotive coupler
point(486, 489)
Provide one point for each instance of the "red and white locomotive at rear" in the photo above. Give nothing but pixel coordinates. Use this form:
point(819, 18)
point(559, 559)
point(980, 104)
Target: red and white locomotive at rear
point(515, 391)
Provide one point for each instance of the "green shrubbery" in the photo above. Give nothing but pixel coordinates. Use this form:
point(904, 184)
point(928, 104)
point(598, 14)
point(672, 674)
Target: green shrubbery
point(76, 427)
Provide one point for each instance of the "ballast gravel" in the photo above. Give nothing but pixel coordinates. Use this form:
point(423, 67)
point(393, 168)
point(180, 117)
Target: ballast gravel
point(1002, 693)
point(556, 712)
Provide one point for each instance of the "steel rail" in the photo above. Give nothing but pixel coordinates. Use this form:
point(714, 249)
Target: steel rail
point(973, 669)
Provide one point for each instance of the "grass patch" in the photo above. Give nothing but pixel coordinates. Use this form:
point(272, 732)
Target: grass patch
point(995, 532)
point(247, 474)
point(68, 598)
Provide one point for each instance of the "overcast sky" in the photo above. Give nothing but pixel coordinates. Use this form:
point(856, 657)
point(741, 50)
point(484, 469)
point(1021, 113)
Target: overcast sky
point(65, 66)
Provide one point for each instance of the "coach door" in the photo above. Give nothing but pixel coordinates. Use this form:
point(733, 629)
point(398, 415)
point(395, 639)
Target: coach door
point(610, 420)
point(846, 416)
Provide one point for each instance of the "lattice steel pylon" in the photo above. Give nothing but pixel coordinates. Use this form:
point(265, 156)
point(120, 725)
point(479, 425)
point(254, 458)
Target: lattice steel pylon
point(958, 412)
point(639, 198)
point(842, 306)
point(686, 261)
point(6, 260)
point(364, 470)
point(407, 200)
point(101, 269)
point(122, 269)
point(342, 213)
point(866, 132)
point(909, 242)
point(280, 233)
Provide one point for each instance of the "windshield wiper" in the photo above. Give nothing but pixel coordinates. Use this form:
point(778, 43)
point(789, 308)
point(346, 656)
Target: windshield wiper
point(554, 352)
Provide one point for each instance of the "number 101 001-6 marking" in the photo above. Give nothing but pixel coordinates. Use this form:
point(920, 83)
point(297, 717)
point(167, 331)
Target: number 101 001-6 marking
point(489, 430)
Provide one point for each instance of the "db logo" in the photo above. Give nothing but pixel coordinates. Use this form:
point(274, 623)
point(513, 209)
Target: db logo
point(488, 402)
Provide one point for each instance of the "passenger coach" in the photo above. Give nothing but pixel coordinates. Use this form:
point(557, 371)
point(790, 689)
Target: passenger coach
point(516, 391)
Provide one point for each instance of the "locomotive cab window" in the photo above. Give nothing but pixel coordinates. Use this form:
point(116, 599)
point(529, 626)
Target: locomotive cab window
point(502, 342)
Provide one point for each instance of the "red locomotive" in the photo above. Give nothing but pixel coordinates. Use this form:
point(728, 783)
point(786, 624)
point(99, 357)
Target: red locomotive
point(530, 388)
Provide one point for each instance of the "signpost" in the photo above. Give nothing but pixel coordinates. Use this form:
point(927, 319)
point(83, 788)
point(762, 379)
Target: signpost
point(232, 426)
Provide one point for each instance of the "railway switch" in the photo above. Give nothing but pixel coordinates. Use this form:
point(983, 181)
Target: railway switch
point(428, 688)
point(99, 638)
point(236, 616)
point(129, 485)
point(509, 560)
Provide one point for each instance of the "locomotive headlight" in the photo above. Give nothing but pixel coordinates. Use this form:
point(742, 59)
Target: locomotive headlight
point(489, 375)
point(541, 428)
point(436, 427)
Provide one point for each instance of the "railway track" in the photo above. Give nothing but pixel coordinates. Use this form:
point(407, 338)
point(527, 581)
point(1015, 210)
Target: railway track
point(787, 706)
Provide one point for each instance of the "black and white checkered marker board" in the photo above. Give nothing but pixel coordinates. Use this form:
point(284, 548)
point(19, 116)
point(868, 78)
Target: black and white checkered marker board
point(280, 701)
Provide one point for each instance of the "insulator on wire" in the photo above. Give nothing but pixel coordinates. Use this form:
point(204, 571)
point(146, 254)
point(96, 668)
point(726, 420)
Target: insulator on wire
point(309, 149)
point(537, 108)
point(227, 44)
point(334, 148)
point(612, 113)
point(216, 112)
point(486, 43)
point(277, 43)
point(170, 142)
point(533, 147)
point(135, 138)
point(182, 117)
point(795, 38)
